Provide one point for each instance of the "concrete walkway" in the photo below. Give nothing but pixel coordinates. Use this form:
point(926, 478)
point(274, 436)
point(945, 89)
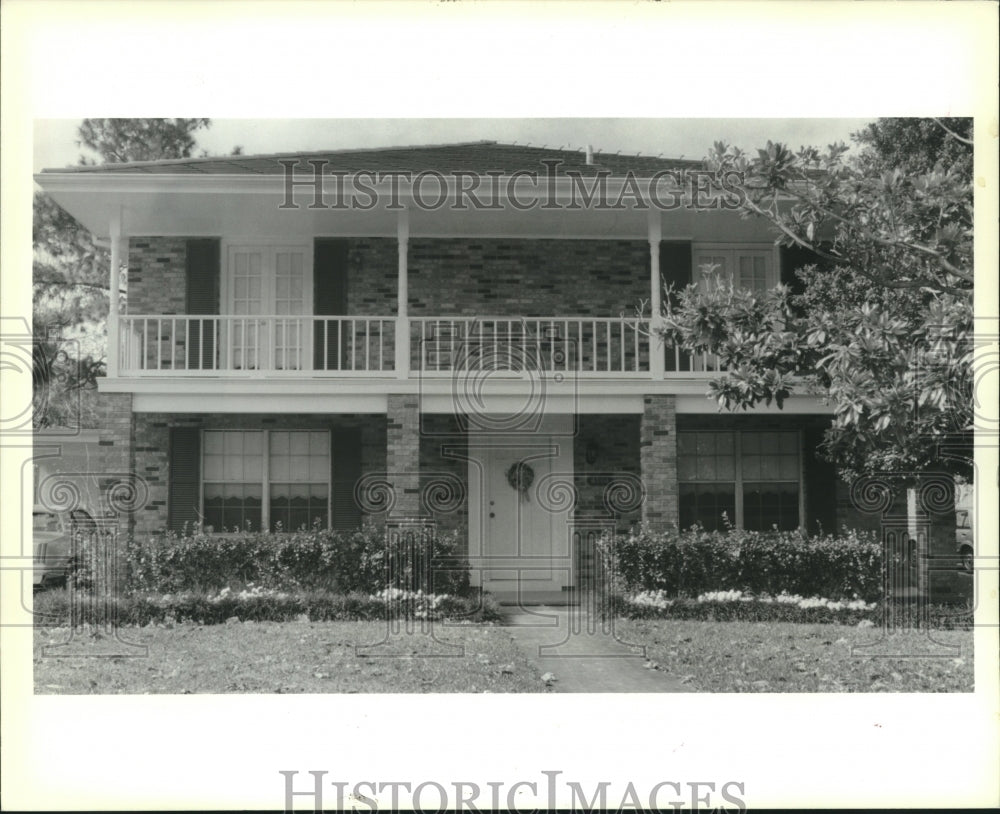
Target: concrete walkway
point(583, 655)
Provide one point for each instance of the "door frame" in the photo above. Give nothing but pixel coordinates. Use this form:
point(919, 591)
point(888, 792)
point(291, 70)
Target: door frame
point(555, 442)
point(269, 247)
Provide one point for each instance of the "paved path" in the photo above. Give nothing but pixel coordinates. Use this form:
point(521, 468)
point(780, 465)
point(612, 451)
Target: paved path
point(583, 656)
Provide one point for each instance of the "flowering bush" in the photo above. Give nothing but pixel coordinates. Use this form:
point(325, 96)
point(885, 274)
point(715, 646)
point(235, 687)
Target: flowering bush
point(412, 604)
point(316, 559)
point(735, 606)
point(695, 562)
point(253, 604)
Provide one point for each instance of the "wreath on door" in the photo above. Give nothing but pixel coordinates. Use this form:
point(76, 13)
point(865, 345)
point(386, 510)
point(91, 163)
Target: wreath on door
point(520, 476)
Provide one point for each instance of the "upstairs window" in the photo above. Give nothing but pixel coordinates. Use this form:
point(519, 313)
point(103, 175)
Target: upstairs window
point(747, 267)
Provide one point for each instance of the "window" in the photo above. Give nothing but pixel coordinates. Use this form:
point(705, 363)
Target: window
point(754, 478)
point(749, 268)
point(290, 467)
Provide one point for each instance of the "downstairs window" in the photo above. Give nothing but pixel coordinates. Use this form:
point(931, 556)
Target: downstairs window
point(754, 478)
point(265, 479)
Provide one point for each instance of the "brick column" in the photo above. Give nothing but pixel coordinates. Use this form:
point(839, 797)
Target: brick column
point(115, 464)
point(658, 461)
point(402, 454)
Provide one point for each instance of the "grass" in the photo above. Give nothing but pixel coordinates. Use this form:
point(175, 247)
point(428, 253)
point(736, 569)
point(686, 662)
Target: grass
point(323, 657)
point(789, 657)
point(284, 657)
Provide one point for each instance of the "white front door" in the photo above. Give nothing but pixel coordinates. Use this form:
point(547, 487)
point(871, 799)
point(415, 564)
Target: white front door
point(519, 539)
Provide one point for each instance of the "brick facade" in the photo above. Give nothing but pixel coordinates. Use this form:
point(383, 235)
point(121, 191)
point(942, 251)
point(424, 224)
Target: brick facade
point(444, 472)
point(605, 449)
point(157, 281)
point(402, 455)
point(658, 461)
point(447, 276)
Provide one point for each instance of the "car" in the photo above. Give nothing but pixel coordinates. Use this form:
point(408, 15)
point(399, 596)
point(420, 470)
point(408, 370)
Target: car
point(963, 540)
point(52, 542)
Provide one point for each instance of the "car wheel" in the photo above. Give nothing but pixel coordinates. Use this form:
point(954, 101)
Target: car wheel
point(967, 560)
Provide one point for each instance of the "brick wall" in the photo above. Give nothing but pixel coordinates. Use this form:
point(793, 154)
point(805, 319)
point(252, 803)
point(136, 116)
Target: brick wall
point(527, 277)
point(612, 443)
point(152, 447)
point(402, 456)
point(658, 458)
point(444, 472)
point(464, 277)
point(115, 464)
point(156, 275)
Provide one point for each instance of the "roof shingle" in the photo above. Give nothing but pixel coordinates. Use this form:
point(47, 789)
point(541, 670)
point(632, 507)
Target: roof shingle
point(477, 157)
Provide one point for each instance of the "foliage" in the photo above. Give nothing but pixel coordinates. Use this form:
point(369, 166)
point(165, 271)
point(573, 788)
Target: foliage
point(882, 325)
point(70, 273)
point(314, 559)
point(765, 609)
point(693, 562)
point(252, 604)
point(120, 140)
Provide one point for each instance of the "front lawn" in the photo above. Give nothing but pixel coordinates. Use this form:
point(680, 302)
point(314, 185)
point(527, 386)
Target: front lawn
point(790, 657)
point(285, 657)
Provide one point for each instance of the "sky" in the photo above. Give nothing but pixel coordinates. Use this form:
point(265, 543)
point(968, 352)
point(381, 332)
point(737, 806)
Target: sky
point(54, 139)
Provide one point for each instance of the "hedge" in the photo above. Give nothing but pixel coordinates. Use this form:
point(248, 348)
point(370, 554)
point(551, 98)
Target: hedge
point(342, 562)
point(692, 562)
point(53, 608)
point(904, 615)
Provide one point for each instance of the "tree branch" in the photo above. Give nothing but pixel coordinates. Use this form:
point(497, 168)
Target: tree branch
point(952, 133)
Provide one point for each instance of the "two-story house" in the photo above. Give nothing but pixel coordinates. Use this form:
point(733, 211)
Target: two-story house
point(457, 333)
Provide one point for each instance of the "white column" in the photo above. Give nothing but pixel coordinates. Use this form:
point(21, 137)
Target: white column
point(402, 296)
point(114, 338)
point(656, 349)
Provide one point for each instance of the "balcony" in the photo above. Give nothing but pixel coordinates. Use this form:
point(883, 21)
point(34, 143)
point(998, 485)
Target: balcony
point(282, 346)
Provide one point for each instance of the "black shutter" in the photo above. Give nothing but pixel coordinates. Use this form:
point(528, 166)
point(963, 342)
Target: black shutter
point(183, 499)
point(675, 269)
point(202, 297)
point(346, 471)
point(820, 485)
point(792, 259)
point(329, 299)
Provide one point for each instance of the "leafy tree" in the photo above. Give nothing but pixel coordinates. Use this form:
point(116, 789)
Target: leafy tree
point(70, 271)
point(119, 140)
point(881, 324)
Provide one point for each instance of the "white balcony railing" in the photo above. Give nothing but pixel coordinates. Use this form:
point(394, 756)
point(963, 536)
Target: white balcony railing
point(196, 345)
point(249, 346)
point(579, 345)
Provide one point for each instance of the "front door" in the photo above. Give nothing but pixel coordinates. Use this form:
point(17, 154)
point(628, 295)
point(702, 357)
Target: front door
point(519, 524)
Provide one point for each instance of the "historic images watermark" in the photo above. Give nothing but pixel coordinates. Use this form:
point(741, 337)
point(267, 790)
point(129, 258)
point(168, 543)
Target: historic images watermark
point(522, 190)
point(550, 792)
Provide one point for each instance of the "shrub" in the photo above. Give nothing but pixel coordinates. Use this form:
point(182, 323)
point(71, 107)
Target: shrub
point(307, 560)
point(904, 615)
point(255, 604)
point(693, 562)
